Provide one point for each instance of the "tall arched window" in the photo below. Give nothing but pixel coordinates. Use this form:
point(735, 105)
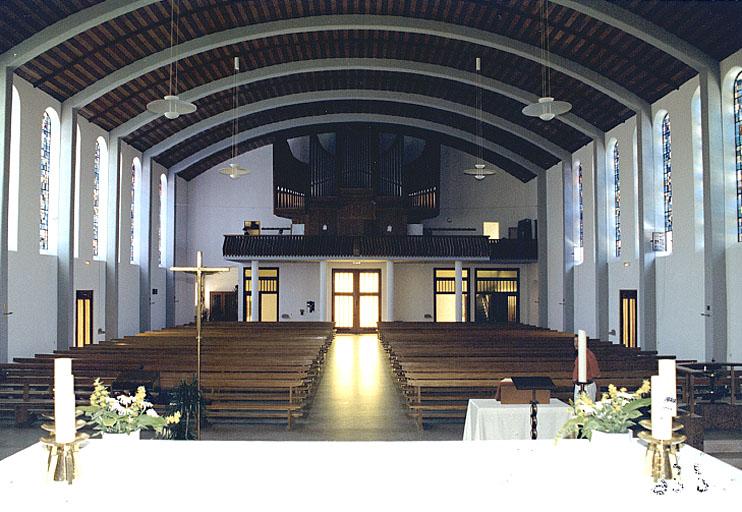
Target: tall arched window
point(581, 205)
point(667, 177)
point(96, 198)
point(133, 211)
point(15, 168)
point(738, 149)
point(161, 228)
point(45, 169)
point(617, 197)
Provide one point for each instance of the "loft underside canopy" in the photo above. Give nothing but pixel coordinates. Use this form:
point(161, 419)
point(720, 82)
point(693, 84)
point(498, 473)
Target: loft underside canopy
point(110, 58)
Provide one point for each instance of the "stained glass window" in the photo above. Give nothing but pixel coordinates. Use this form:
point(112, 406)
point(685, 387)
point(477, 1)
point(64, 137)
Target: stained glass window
point(617, 201)
point(132, 211)
point(667, 175)
point(96, 198)
point(738, 149)
point(163, 213)
point(581, 205)
point(45, 169)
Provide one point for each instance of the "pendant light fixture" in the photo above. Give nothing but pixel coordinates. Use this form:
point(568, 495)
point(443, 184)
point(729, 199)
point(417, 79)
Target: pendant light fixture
point(546, 108)
point(480, 170)
point(233, 169)
point(171, 106)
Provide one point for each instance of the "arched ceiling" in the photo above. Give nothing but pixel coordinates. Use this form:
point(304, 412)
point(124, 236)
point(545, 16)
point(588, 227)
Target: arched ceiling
point(604, 71)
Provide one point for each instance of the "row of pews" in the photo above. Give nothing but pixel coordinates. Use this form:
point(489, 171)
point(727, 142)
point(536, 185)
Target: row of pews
point(261, 371)
point(441, 366)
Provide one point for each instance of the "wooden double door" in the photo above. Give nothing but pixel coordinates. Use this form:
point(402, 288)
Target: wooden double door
point(356, 299)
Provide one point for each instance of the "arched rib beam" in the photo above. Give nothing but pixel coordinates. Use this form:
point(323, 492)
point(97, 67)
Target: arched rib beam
point(268, 129)
point(358, 22)
point(68, 28)
point(360, 95)
point(643, 29)
point(387, 65)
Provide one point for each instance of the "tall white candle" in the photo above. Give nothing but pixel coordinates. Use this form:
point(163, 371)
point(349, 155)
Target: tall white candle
point(667, 373)
point(581, 356)
point(661, 417)
point(64, 401)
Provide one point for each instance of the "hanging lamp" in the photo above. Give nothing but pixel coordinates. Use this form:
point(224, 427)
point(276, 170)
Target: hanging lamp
point(480, 170)
point(171, 106)
point(546, 108)
point(233, 169)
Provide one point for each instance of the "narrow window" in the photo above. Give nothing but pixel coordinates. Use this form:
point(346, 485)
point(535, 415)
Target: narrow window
point(133, 212)
point(161, 226)
point(581, 204)
point(617, 192)
point(738, 149)
point(96, 199)
point(15, 167)
point(667, 178)
point(45, 172)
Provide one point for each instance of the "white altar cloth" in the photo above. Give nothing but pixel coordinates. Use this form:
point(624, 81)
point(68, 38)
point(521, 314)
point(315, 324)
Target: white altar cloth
point(490, 420)
point(215, 476)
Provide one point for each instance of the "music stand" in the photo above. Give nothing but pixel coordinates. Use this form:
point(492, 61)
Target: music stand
point(533, 384)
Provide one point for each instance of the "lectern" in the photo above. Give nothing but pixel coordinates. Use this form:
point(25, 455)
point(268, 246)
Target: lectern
point(536, 385)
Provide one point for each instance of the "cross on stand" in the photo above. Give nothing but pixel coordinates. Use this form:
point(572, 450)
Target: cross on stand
point(200, 272)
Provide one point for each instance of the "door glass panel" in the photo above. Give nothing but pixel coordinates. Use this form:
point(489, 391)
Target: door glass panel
point(268, 307)
point(369, 282)
point(344, 309)
point(369, 311)
point(343, 282)
point(80, 323)
point(248, 308)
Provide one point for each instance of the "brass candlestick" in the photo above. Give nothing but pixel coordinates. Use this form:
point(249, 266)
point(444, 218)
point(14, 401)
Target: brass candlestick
point(62, 455)
point(662, 454)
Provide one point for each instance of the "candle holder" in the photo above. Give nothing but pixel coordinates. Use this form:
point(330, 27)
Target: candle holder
point(62, 455)
point(662, 454)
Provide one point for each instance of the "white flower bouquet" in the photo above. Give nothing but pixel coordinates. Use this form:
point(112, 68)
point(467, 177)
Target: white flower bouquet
point(124, 414)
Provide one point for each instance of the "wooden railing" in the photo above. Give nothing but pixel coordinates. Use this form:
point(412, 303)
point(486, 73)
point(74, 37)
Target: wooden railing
point(712, 378)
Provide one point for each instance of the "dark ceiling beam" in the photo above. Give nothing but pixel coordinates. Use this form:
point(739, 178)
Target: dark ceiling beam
point(359, 95)
point(389, 65)
point(67, 28)
point(643, 29)
point(359, 22)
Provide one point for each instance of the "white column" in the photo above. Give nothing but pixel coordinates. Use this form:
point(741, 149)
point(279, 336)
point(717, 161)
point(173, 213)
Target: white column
point(714, 236)
point(255, 287)
point(389, 316)
point(240, 293)
point(648, 222)
point(459, 289)
point(6, 103)
point(543, 252)
point(113, 205)
point(145, 243)
point(569, 246)
point(170, 226)
point(66, 229)
point(322, 306)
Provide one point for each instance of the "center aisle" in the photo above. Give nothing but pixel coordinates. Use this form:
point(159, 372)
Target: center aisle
point(356, 400)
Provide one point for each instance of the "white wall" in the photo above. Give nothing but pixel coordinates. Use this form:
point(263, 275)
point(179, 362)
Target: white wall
point(467, 202)
point(158, 272)
point(555, 253)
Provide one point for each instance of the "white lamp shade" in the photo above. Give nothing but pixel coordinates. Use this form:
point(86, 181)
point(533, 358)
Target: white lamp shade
point(479, 171)
point(547, 108)
point(171, 107)
point(234, 171)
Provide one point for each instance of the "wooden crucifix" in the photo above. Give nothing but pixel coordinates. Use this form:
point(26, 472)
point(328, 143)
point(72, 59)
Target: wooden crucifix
point(200, 272)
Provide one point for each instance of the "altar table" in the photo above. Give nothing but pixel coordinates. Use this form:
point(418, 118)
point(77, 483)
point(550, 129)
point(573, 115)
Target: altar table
point(490, 420)
point(215, 476)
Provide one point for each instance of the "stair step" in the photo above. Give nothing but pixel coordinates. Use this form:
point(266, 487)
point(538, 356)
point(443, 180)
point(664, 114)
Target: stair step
point(722, 445)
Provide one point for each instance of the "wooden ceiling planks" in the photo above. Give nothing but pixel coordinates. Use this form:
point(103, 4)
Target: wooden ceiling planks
point(642, 69)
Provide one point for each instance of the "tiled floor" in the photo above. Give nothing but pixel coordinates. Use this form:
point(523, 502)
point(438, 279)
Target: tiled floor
point(356, 400)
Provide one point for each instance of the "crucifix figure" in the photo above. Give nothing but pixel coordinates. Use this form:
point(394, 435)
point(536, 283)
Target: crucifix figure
point(200, 272)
